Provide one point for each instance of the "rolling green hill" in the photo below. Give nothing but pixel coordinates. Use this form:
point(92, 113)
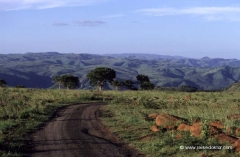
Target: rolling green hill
point(35, 70)
point(234, 87)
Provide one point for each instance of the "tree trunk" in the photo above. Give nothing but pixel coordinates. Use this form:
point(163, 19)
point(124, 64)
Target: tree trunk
point(59, 85)
point(100, 88)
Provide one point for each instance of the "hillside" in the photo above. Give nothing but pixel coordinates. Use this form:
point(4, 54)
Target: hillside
point(179, 60)
point(235, 87)
point(36, 70)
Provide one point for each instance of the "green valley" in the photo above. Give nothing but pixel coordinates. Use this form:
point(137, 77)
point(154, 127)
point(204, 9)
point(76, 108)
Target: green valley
point(36, 70)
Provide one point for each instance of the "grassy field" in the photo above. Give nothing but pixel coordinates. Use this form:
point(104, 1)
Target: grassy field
point(22, 110)
point(126, 115)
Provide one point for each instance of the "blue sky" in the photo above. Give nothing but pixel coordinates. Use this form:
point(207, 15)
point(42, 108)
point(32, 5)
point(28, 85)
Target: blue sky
point(190, 28)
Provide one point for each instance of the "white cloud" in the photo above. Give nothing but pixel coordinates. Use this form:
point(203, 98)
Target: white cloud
point(8, 5)
point(60, 24)
point(89, 22)
point(209, 13)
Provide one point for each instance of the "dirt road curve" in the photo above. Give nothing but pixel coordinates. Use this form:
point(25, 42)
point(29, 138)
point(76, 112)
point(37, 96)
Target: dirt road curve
point(77, 132)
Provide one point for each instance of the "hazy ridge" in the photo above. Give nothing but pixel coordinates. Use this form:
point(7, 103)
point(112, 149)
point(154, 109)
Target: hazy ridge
point(36, 69)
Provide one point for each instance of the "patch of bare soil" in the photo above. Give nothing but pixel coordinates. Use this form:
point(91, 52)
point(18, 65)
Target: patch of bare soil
point(77, 131)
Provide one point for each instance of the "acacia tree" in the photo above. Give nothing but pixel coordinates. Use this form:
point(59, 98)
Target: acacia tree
point(57, 79)
point(100, 76)
point(3, 83)
point(117, 84)
point(142, 78)
point(68, 81)
point(144, 82)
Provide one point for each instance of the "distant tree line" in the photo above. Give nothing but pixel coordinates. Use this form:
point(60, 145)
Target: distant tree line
point(180, 88)
point(102, 75)
point(3, 83)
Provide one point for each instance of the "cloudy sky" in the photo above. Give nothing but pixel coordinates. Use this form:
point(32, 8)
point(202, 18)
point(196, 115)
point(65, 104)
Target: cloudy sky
point(190, 28)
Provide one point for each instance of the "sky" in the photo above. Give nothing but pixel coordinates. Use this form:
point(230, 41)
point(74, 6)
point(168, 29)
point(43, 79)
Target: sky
point(189, 28)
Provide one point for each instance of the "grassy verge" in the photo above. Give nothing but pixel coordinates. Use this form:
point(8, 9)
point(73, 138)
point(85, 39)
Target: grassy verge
point(23, 110)
point(126, 115)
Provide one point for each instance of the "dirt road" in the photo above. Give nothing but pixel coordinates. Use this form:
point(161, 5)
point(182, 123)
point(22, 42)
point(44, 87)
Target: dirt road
point(76, 131)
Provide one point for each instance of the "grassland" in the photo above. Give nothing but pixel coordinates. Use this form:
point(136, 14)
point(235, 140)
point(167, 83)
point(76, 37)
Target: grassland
point(22, 110)
point(126, 115)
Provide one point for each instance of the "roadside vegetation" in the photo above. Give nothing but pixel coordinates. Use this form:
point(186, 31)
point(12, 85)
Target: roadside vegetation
point(22, 110)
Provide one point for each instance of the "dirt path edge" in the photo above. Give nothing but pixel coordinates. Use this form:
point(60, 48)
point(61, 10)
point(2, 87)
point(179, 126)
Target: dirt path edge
point(77, 130)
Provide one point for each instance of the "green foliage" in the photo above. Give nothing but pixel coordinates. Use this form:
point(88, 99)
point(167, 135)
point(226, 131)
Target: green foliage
point(205, 129)
point(147, 86)
point(128, 84)
point(142, 78)
point(144, 82)
point(117, 84)
point(58, 80)
point(68, 81)
point(100, 76)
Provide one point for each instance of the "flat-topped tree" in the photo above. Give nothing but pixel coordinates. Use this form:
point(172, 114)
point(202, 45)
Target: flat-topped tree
point(100, 76)
point(142, 78)
point(68, 81)
point(144, 82)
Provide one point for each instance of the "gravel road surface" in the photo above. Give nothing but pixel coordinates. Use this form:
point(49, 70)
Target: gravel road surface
point(76, 131)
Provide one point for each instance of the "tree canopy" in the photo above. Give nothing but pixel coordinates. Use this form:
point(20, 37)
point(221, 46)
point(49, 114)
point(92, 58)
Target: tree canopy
point(128, 84)
point(144, 82)
point(142, 78)
point(100, 76)
point(68, 81)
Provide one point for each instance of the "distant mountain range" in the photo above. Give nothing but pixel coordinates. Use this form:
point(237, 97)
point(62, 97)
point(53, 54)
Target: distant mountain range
point(35, 70)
